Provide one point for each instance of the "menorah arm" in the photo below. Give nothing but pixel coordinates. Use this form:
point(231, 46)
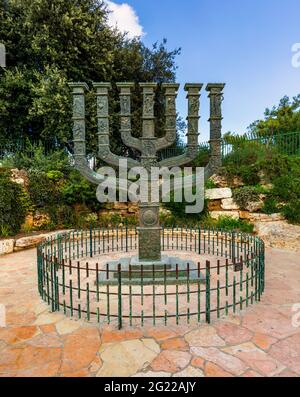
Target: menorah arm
point(130, 141)
point(113, 159)
point(166, 141)
point(81, 165)
point(189, 155)
point(170, 104)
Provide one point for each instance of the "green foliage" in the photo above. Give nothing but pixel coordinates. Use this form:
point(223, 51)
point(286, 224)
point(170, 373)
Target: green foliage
point(44, 192)
point(280, 119)
point(12, 206)
point(231, 224)
point(245, 195)
point(77, 190)
point(291, 211)
point(286, 188)
point(202, 158)
point(271, 206)
point(34, 158)
point(209, 184)
point(69, 41)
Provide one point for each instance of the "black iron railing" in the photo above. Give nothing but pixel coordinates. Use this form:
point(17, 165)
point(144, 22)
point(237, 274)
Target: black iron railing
point(226, 273)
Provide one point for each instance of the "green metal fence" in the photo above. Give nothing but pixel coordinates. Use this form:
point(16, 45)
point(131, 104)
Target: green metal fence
point(287, 143)
point(225, 272)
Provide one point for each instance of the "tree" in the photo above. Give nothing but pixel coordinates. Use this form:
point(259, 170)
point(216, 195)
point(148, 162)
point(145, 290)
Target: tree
point(51, 43)
point(280, 119)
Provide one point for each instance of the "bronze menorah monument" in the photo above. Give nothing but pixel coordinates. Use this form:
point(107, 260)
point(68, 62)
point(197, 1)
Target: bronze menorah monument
point(149, 243)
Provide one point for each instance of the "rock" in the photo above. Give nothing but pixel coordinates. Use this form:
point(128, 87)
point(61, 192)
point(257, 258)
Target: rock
point(218, 214)
point(7, 246)
point(20, 177)
point(244, 214)
point(29, 242)
point(67, 326)
point(204, 337)
point(219, 180)
point(279, 234)
point(120, 206)
point(190, 372)
point(40, 219)
point(214, 205)
point(256, 359)
point(175, 344)
point(265, 217)
point(214, 371)
point(218, 193)
point(255, 206)
point(232, 333)
point(228, 362)
point(171, 361)
point(198, 362)
point(151, 374)
point(127, 357)
point(80, 349)
point(229, 204)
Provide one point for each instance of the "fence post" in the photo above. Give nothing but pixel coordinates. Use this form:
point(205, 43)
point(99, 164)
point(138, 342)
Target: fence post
point(207, 291)
point(91, 241)
point(119, 297)
point(233, 246)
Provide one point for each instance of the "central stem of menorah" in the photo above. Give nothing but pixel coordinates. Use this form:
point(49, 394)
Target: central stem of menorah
point(148, 145)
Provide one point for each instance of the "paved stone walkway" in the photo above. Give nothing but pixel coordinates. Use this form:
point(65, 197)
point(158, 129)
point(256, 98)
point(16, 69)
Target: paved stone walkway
point(261, 341)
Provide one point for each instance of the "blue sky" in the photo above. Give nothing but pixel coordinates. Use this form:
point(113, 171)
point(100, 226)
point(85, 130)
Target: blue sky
point(245, 43)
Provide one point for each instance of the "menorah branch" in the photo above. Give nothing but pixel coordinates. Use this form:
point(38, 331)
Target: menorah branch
point(104, 151)
point(170, 114)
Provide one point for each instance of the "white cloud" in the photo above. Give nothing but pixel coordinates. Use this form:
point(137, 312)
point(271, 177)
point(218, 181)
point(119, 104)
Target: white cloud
point(125, 18)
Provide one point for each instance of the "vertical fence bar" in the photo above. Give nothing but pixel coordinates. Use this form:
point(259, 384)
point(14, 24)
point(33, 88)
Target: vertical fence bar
point(153, 294)
point(207, 289)
point(130, 295)
point(177, 298)
point(199, 293)
point(119, 297)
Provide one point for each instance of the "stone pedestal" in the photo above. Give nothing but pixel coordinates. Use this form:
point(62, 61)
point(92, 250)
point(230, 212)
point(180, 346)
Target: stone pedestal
point(167, 270)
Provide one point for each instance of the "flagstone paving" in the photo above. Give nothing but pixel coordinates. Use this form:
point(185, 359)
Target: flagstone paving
point(259, 341)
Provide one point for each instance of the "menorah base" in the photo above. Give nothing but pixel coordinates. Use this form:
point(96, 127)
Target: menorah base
point(169, 270)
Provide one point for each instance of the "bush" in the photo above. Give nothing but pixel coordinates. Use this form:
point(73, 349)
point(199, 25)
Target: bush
point(12, 206)
point(202, 158)
point(286, 188)
point(34, 158)
point(228, 223)
point(271, 206)
point(44, 191)
point(77, 190)
point(245, 195)
point(291, 211)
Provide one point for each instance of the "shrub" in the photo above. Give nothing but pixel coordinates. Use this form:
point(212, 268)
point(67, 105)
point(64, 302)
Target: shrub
point(77, 190)
point(202, 158)
point(245, 195)
point(291, 211)
point(12, 206)
point(271, 206)
point(228, 223)
point(286, 188)
point(44, 192)
point(34, 158)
